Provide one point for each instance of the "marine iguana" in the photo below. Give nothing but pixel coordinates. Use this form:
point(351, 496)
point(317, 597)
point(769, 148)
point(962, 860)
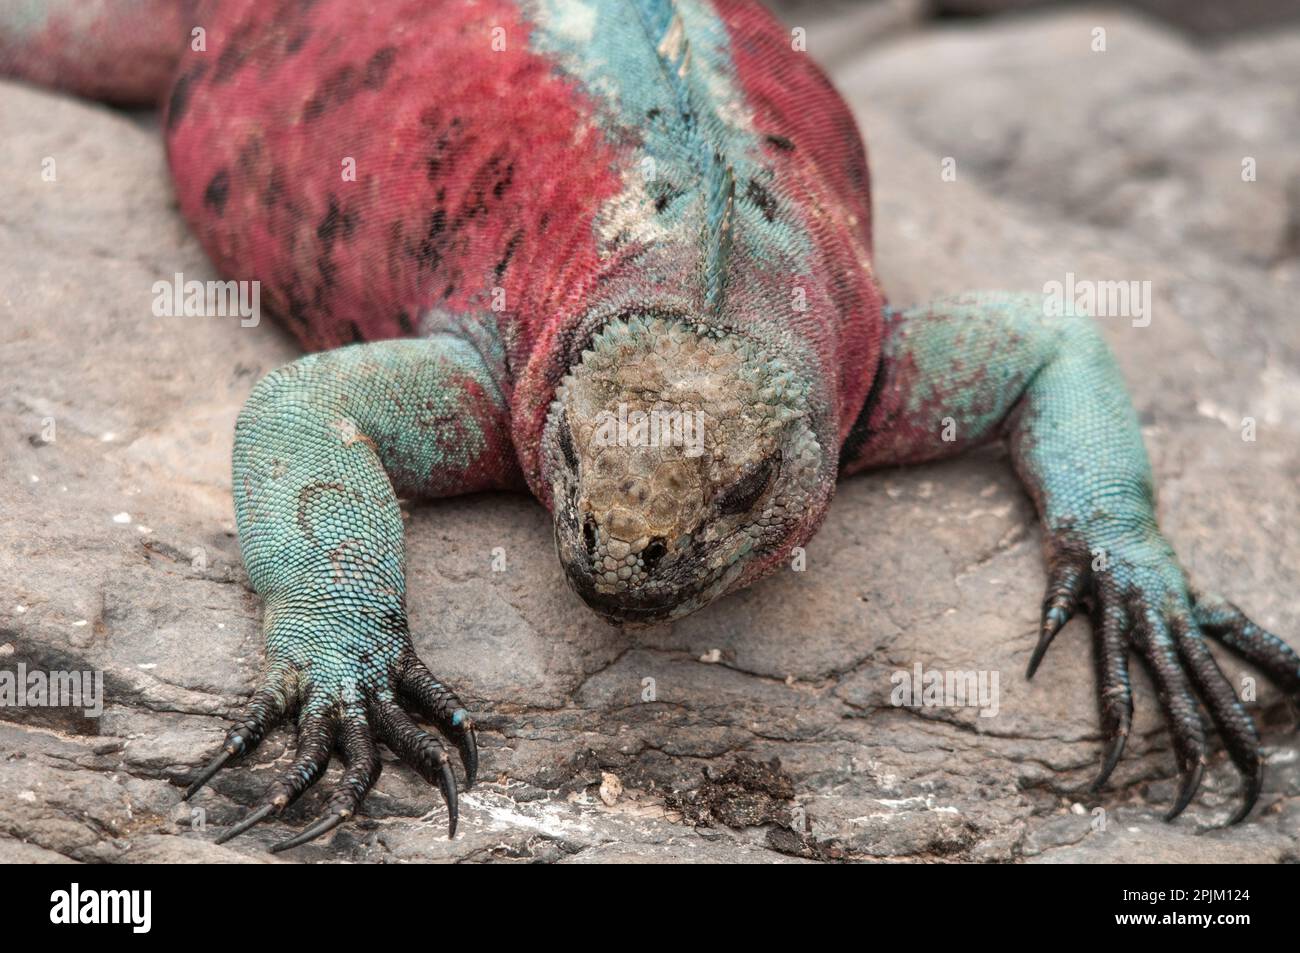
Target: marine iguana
point(501, 225)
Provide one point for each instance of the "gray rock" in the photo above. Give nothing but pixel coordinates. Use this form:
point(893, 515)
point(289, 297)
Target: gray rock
point(117, 551)
point(1149, 137)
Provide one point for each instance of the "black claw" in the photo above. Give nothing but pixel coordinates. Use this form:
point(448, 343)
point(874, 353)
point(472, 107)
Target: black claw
point(1115, 697)
point(252, 819)
point(1191, 781)
point(447, 784)
point(439, 703)
point(310, 834)
point(422, 751)
point(1233, 722)
point(206, 775)
point(1065, 586)
point(467, 744)
point(1253, 784)
point(1051, 626)
point(262, 714)
point(1158, 650)
point(1114, 748)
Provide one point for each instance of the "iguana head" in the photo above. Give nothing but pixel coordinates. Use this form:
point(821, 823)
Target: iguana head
point(682, 463)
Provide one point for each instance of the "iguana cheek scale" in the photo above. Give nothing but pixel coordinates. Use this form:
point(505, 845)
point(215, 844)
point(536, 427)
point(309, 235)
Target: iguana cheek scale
point(561, 210)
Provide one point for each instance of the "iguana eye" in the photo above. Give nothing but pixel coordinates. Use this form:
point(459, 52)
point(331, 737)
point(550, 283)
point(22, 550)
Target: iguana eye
point(566, 446)
point(745, 492)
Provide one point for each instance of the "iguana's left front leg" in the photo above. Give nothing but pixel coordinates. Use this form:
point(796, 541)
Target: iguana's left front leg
point(971, 367)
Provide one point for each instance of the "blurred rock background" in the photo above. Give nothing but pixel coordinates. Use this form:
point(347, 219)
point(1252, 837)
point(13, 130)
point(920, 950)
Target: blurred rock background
point(117, 550)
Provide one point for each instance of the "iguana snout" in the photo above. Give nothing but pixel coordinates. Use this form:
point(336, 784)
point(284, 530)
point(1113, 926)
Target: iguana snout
point(678, 458)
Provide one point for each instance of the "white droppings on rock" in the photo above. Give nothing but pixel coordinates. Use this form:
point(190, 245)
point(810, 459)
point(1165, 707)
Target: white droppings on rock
point(896, 806)
point(122, 518)
point(498, 813)
point(712, 657)
point(80, 622)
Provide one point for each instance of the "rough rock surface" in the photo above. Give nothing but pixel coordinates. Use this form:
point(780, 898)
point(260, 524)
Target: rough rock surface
point(117, 550)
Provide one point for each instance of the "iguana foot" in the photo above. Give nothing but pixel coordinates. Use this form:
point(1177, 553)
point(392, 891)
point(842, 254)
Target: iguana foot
point(1141, 603)
point(349, 717)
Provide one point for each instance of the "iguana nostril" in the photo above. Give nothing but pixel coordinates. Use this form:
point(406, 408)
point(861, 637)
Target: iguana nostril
point(653, 552)
point(589, 534)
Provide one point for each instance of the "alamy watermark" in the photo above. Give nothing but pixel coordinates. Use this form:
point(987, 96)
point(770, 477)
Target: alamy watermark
point(75, 905)
point(1099, 299)
point(41, 689)
point(651, 428)
point(937, 688)
point(208, 299)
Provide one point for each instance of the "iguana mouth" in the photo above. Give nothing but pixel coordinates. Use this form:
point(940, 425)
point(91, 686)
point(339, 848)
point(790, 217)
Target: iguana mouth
point(627, 609)
point(619, 611)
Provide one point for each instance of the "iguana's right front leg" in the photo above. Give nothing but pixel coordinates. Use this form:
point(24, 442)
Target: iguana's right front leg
point(973, 366)
point(322, 448)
